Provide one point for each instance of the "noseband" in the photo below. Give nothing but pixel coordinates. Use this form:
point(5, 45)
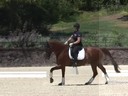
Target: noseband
point(48, 46)
point(48, 50)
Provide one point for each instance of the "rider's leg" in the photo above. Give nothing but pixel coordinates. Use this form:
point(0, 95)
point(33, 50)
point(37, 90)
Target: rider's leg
point(75, 55)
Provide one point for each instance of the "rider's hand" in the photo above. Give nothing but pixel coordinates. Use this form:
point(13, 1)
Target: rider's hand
point(66, 43)
point(70, 44)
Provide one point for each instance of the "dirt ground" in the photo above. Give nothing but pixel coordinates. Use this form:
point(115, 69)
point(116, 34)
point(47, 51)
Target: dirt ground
point(74, 83)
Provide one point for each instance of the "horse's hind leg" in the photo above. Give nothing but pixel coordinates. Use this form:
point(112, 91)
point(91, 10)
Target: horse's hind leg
point(94, 69)
point(105, 73)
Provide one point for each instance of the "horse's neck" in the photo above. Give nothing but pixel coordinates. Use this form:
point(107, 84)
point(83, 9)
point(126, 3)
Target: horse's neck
point(57, 48)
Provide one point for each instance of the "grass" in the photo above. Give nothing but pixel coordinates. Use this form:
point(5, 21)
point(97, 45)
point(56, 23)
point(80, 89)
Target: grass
point(92, 21)
point(100, 23)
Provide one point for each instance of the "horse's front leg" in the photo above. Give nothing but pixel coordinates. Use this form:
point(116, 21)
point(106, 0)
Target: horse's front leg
point(94, 74)
point(63, 76)
point(51, 72)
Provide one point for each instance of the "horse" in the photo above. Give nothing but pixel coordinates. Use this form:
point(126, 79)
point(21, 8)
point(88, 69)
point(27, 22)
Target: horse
point(94, 57)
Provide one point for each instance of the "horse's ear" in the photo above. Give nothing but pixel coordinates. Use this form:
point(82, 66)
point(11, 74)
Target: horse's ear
point(47, 44)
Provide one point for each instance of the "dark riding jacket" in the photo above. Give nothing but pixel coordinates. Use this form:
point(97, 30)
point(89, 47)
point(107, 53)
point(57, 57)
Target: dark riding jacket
point(75, 35)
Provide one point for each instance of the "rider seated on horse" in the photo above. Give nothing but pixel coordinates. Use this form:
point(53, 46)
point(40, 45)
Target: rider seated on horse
point(76, 45)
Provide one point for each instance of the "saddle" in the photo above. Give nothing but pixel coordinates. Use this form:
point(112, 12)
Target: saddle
point(81, 54)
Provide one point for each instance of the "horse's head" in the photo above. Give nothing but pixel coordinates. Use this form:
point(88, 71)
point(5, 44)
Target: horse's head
point(48, 50)
point(53, 46)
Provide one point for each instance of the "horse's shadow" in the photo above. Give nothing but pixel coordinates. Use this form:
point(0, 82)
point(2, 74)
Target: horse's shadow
point(81, 85)
point(118, 82)
point(110, 83)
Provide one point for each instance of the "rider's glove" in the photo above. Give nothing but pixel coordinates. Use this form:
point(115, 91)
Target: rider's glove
point(70, 44)
point(66, 43)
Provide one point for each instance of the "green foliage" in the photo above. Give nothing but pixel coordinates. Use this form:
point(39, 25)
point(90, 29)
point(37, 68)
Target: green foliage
point(41, 15)
point(27, 15)
point(99, 28)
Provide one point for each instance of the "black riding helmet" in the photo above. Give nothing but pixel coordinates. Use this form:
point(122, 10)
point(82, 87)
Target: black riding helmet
point(76, 25)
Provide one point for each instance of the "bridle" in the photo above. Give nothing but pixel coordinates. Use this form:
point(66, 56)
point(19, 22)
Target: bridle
point(48, 50)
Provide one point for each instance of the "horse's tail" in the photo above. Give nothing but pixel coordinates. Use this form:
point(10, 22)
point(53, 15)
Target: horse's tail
point(106, 52)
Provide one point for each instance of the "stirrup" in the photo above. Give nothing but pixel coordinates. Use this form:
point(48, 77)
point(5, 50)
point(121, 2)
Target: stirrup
point(74, 64)
point(75, 70)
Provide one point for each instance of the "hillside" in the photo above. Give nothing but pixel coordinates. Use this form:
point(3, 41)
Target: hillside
point(93, 20)
point(110, 30)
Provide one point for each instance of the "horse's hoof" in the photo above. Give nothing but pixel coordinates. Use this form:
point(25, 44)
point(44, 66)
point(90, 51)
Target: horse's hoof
point(51, 80)
point(118, 71)
point(60, 84)
point(87, 83)
point(106, 83)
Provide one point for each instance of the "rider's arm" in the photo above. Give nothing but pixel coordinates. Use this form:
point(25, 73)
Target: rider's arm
point(68, 39)
point(77, 41)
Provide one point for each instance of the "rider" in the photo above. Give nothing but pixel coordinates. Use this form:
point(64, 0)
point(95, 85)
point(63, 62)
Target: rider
point(76, 45)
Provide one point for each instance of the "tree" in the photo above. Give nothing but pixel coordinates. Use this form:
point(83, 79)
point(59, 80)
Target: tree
point(91, 5)
point(34, 14)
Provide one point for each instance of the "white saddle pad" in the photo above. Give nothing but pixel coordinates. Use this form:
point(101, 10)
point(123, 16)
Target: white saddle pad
point(81, 54)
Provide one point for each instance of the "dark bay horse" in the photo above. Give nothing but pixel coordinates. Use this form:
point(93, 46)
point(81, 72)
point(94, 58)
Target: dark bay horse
point(94, 56)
